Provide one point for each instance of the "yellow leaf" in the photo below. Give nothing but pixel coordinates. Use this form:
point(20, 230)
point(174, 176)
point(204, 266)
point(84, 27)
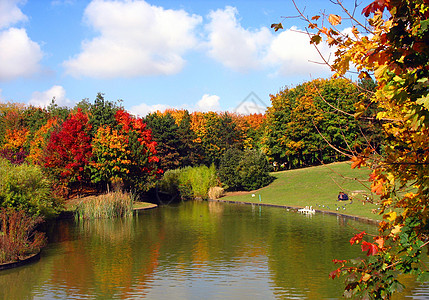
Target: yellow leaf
point(366, 277)
point(391, 216)
point(334, 19)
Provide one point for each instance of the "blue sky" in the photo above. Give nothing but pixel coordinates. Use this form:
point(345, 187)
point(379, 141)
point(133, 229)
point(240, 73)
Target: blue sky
point(198, 55)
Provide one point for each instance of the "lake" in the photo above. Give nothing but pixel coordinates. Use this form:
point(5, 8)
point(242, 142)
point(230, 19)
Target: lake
point(194, 250)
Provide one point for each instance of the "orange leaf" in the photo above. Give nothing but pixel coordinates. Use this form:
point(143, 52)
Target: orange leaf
point(377, 188)
point(334, 19)
point(380, 241)
point(357, 162)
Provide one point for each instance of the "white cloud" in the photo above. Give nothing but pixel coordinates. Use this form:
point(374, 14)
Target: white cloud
point(43, 99)
point(232, 45)
point(241, 49)
point(143, 109)
point(135, 39)
point(291, 53)
point(208, 103)
point(10, 13)
point(19, 56)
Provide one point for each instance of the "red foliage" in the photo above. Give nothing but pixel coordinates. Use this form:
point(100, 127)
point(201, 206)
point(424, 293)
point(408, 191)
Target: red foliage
point(357, 238)
point(69, 149)
point(375, 6)
point(371, 249)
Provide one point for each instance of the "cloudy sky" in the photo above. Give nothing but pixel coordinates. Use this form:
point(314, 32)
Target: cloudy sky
point(198, 55)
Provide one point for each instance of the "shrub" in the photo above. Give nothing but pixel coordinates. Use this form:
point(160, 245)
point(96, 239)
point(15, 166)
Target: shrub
point(253, 170)
point(111, 205)
point(228, 168)
point(18, 239)
point(24, 187)
point(244, 170)
point(189, 182)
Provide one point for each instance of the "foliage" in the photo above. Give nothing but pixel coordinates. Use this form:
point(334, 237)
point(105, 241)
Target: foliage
point(244, 170)
point(228, 168)
point(18, 238)
point(69, 150)
point(189, 182)
point(168, 143)
point(394, 49)
point(39, 142)
point(24, 187)
point(102, 112)
point(111, 205)
point(215, 133)
point(253, 170)
point(303, 119)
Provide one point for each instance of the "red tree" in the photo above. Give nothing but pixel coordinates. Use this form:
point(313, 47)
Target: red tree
point(69, 149)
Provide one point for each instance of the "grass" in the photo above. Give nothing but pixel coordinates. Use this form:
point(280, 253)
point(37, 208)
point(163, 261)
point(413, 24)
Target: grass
point(318, 187)
point(111, 205)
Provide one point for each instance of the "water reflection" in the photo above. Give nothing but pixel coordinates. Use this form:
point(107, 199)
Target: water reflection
point(190, 251)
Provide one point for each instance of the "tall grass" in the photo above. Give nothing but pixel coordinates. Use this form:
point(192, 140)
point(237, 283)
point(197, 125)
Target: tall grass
point(111, 205)
point(18, 238)
point(190, 182)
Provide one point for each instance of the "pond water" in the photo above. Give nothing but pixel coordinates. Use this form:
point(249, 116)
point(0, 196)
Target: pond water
point(195, 250)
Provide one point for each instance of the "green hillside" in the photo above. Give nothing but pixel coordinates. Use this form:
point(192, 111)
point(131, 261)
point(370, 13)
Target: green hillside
point(318, 187)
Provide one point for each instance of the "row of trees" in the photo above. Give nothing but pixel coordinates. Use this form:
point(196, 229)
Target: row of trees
point(96, 144)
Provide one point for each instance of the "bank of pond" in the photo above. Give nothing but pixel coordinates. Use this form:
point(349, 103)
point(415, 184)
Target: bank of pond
point(193, 250)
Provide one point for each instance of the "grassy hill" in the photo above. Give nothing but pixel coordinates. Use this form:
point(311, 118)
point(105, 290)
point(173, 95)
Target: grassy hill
point(318, 187)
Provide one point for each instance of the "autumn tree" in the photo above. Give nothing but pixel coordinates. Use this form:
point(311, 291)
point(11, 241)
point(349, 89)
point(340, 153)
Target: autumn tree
point(392, 46)
point(215, 133)
point(124, 151)
point(305, 124)
point(69, 150)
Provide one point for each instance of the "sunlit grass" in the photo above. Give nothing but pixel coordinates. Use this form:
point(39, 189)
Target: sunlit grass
point(111, 205)
point(317, 187)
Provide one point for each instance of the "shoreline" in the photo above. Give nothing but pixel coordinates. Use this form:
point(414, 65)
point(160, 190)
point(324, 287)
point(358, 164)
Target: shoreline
point(30, 259)
point(358, 218)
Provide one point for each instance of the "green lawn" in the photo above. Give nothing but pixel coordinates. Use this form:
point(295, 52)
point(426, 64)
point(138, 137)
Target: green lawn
point(316, 186)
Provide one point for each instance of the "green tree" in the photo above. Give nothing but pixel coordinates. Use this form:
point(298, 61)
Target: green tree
point(244, 170)
point(166, 134)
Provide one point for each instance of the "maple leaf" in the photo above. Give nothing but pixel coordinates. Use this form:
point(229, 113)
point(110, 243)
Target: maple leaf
point(375, 6)
point(371, 249)
point(377, 187)
point(357, 238)
point(334, 19)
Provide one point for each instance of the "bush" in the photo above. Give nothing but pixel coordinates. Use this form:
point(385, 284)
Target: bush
point(189, 182)
point(111, 205)
point(24, 187)
point(17, 236)
point(228, 168)
point(253, 170)
point(244, 170)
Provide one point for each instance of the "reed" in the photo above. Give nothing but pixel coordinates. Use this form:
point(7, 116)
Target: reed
point(18, 238)
point(106, 206)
